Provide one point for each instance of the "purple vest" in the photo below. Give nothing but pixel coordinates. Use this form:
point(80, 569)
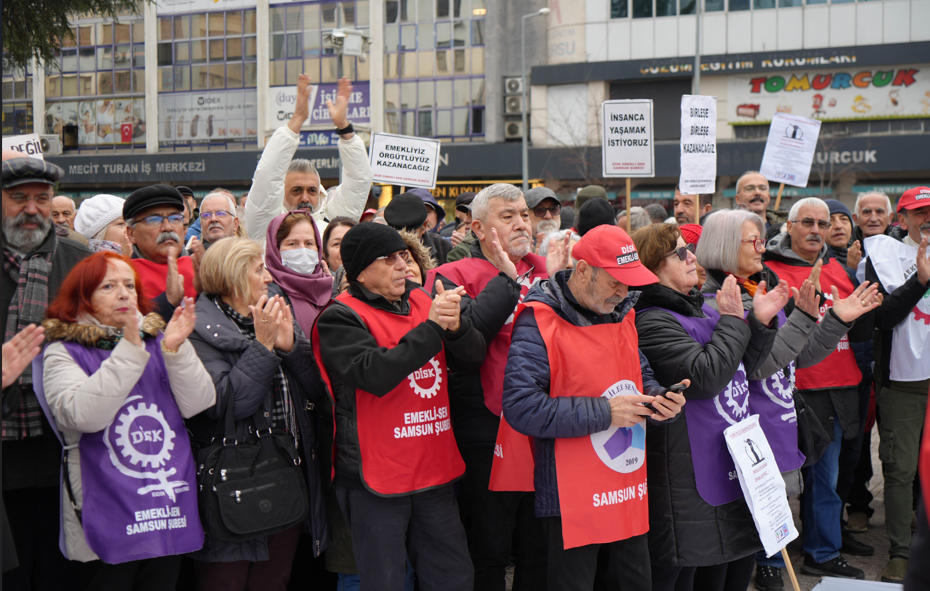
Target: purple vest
point(773, 400)
point(137, 474)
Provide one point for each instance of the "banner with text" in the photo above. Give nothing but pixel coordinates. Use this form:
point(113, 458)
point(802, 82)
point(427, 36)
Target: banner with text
point(28, 144)
point(789, 150)
point(698, 144)
point(628, 149)
point(898, 92)
point(403, 160)
point(281, 105)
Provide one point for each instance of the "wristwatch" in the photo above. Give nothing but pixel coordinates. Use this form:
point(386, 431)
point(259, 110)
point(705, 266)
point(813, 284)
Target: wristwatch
point(346, 130)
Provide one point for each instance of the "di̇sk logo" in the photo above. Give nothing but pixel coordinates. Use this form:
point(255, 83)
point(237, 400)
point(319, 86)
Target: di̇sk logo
point(427, 380)
point(622, 449)
point(779, 387)
point(733, 402)
point(144, 441)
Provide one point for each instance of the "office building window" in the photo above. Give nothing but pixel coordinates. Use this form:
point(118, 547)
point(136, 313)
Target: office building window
point(17, 100)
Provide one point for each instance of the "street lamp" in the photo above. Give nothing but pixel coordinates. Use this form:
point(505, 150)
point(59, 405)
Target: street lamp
point(540, 12)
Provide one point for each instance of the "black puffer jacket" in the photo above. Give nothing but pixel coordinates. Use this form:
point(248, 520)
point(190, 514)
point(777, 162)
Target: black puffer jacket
point(684, 530)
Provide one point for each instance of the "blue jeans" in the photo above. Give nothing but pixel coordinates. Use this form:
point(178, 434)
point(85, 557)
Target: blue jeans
point(349, 582)
point(822, 506)
point(762, 560)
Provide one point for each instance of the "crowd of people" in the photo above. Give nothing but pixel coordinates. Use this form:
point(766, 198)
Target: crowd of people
point(212, 396)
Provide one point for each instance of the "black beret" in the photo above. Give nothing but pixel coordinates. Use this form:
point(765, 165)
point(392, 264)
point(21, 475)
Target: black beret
point(595, 212)
point(367, 241)
point(20, 171)
point(184, 190)
point(146, 197)
point(405, 212)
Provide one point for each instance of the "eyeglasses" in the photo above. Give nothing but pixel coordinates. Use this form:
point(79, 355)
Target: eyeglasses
point(682, 252)
point(809, 223)
point(391, 259)
point(153, 221)
point(22, 199)
point(541, 211)
point(220, 215)
point(752, 188)
point(757, 244)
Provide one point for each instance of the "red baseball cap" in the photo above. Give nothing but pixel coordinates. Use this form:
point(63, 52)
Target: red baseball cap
point(368, 212)
point(612, 249)
point(914, 198)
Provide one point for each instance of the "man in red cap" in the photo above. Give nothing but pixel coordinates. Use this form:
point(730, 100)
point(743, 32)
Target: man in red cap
point(590, 449)
point(902, 375)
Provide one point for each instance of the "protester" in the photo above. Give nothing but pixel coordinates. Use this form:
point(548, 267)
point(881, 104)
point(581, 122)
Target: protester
point(683, 207)
point(282, 183)
point(688, 462)
point(100, 221)
point(35, 264)
point(418, 258)
point(255, 351)
point(455, 232)
point(383, 349)
point(589, 192)
point(692, 235)
point(568, 219)
point(63, 211)
point(368, 215)
point(332, 240)
point(435, 214)
point(830, 388)
point(545, 211)
point(110, 373)
point(154, 218)
point(574, 314)
point(407, 212)
point(656, 213)
point(594, 213)
point(218, 218)
point(639, 218)
point(902, 270)
point(732, 246)
point(839, 239)
point(496, 277)
point(752, 192)
point(873, 215)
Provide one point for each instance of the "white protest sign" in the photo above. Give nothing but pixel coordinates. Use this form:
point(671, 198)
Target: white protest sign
point(698, 144)
point(628, 149)
point(403, 160)
point(790, 149)
point(762, 484)
point(29, 144)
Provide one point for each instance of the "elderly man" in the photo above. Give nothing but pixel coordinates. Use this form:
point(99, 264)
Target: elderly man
point(752, 192)
point(154, 218)
point(35, 263)
point(496, 277)
point(902, 375)
point(385, 350)
point(830, 387)
point(588, 432)
point(872, 216)
point(435, 214)
point(408, 212)
point(683, 207)
point(282, 183)
point(218, 218)
point(545, 212)
point(63, 211)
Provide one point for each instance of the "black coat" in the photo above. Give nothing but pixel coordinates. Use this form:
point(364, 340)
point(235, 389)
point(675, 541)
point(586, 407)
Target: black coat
point(684, 530)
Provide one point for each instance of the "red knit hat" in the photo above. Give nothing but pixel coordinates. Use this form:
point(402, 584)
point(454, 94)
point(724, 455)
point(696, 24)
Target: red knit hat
point(691, 233)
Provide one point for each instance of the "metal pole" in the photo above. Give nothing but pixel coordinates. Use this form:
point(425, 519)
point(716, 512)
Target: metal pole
point(696, 79)
point(339, 73)
point(523, 110)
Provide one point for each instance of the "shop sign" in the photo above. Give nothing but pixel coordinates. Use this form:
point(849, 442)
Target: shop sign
point(283, 98)
point(207, 117)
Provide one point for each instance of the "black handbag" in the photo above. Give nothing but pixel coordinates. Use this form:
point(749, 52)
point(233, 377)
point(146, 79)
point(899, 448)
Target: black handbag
point(253, 488)
point(813, 439)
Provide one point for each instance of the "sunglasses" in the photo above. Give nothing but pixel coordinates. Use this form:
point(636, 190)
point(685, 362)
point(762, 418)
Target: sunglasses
point(682, 252)
point(541, 211)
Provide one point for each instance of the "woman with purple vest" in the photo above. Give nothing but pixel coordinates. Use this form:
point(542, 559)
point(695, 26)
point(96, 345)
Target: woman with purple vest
point(117, 384)
point(697, 514)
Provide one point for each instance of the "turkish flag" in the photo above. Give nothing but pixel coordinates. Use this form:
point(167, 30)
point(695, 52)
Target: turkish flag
point(125, 132)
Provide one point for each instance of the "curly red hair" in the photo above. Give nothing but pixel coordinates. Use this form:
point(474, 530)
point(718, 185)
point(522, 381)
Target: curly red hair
point(74, 297)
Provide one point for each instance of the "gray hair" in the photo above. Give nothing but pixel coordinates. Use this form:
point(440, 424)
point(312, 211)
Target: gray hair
point(481, 205)
point(656, 212)
point(867, 193)
point(557, 235)
point(807, 201)
point(302, 165)
point(739, 181)
point(639, 218)
point(229, 201)
point(719, 245)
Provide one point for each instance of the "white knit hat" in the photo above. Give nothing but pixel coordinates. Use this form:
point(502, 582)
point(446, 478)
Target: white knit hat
point(96, 213)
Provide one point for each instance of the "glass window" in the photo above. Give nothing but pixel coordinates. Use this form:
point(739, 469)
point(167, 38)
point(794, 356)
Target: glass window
point(391, 96)
point(122, 82)
point(216, 24)
point(735, 5)
point(361, 14)
point(408, 38)
point(200, 79)
point(122, 33)
point(165, 80)
point(425, 10)
point(460, 122)
point(104, 58)
point(182, 78)
point(408, 95)
point(249, 21)
point(251, 48)
point(618, 9)
point(198, 52)
point(234, 49)
point(138, 32)
point(328, 69)
point(69, 85)
point(477, 32)
point(182, 53)
point(759, 4)
point(53, 86)
point(217, 76)
point(477, 91)
point(86, 84)
point(328, 12)
point(460, 66)
point(442, 63)
point(425, 95)
point(425, 63)
point(250, 74)
point(425, 123)
point(391, 38)
point(233, 23)
point(442, 8)
point(69, 61)
point(277, 47)
point(687, 7)
point(199, 25)
point(293, 70)
point(443, 93)
point(86, 59)
point(138, 55)
point(182, 27)
point(407, 123)
point(477, 60)
point(713, 5)
point(122, 56)
point(105, 33)
point(390, 65)
point(642, 8)
point(786, 3)
point(459, 34)
point(276, 18)
point(477, 121)
point(138, 80)
point(311, 43)
point(408, 65)
point(104, 83)
point(460, 92)
point(443, 35)
point(443, 123)
point(217, 50)
point(86, 35)
point(71, 40)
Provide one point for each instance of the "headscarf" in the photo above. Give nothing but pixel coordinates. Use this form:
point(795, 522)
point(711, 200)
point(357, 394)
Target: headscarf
point(309, 294)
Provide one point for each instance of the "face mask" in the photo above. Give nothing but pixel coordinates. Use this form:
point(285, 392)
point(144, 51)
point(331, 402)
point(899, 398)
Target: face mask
point(301, 260)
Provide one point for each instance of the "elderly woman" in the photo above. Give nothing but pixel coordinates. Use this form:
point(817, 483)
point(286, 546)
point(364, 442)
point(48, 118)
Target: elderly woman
point(691, 494)
point(100, 220)
point(731, 246)
point(116, 391)
point(418, 258)
point(257, 354)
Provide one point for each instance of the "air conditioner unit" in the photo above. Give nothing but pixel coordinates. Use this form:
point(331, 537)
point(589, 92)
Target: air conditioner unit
point(513, 130)
point(513, 105)
point(513, 85)
point(51, 145)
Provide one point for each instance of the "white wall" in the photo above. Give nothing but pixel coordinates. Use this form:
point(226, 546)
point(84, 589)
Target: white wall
point(567, 110)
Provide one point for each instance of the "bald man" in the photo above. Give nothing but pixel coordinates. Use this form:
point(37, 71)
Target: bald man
point(63, 211)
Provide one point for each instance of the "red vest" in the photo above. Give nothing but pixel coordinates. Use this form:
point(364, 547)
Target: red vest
point(404, 437)
point(602, 477)
point(839, 369)
point(154, 277)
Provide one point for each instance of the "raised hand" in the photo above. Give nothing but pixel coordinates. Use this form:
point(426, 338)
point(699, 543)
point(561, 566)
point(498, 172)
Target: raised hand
point(458, 236)
point(266, 318)
point(197, 251)
point(174, 286)
point(864, 299)
point(19, 351)
point(131, 329)
point(807, 299)
point(854, 255)
point(766, 305)
point(729, 300)
point(181, 325)
point(814, 277)
point(923, 263)
point(445, 309)
point(500, 259)
point(557, 257)
point(337, 110)
point(285, 340)
point(301, 104)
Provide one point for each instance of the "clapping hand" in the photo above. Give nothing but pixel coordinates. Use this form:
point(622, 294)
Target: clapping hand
point(729, 299)
point(557, 257)
point(500, 259)
point(337, 110)
point(197, 251)
point(923, 263)
point(854, 255)
point(864, 299)
point(301, 103)
point(285, 340)
point(267, 317)
point(446, 309)
point(19, 351)
point(806, 298)
point(181, 325)
point(766, 305)
point(174, 286)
